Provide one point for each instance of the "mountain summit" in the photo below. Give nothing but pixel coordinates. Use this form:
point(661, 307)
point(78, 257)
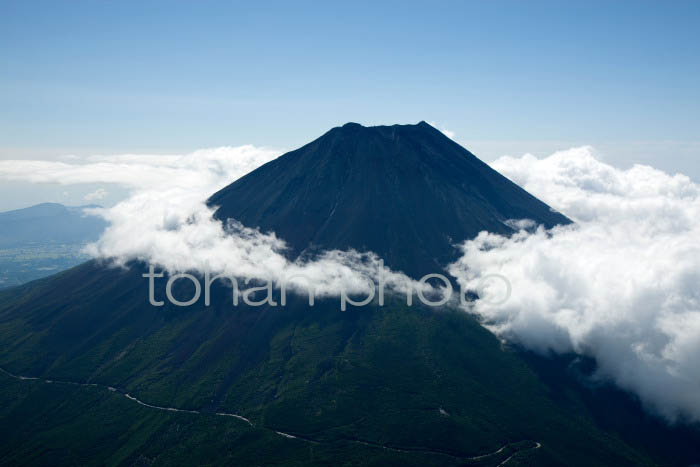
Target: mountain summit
point(405, 192)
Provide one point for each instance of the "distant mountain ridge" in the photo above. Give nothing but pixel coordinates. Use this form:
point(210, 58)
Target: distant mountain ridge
point(405, 192)
point(49, 222)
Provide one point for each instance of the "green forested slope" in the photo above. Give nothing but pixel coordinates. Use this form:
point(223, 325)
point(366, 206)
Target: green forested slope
point(412, 379)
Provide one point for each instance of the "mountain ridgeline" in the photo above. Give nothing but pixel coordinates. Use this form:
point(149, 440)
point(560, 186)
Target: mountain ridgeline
point(405, 192)
point(91, 374)
point(49, 223)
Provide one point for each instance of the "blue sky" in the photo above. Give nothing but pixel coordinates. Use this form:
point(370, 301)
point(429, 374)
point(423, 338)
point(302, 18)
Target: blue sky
point(506, 77)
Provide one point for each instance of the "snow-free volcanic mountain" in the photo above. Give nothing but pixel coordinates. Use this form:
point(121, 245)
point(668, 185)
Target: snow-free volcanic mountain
point(110, 379)
point(405, 192)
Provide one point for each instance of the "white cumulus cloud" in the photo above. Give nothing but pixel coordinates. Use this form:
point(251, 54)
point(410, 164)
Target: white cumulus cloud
point(100, 193)
point(622, 285)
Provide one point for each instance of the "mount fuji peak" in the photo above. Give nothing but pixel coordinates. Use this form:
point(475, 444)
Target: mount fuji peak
point(405, 192)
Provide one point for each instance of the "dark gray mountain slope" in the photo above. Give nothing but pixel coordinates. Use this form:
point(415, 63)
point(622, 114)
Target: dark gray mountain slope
point(405, 192)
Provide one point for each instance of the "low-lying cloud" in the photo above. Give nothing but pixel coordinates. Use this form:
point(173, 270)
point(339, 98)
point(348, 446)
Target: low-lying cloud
point(174, 230)
point(622, 285)
point(98, 194)
point(203, 169)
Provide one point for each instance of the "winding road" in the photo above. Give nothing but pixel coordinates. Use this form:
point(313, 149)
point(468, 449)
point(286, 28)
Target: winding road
point(299, 437)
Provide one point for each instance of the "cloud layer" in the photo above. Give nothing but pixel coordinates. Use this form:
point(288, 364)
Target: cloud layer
point(622, 285)
point(203, 169)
